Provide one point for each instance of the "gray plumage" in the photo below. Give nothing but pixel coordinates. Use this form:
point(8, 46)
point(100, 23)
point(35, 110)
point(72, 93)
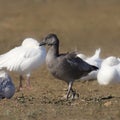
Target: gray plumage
point(7, 88)
point(67, 67)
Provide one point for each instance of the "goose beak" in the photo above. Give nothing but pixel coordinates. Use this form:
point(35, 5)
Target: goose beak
point(42, 43)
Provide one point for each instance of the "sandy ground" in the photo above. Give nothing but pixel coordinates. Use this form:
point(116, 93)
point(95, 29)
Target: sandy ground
point(82, 25)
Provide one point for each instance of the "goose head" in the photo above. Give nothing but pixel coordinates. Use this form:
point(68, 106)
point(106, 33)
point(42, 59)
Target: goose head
point(30, 42)
point(50, 40)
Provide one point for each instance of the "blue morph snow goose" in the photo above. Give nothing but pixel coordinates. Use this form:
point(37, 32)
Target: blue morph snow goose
point(24, 59)
point(67, 67)
point(7, 88)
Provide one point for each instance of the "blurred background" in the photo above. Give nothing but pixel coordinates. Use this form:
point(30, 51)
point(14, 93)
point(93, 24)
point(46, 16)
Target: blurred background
point(80, 24)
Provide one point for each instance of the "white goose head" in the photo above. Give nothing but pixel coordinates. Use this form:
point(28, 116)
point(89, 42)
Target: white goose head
point(30, 42)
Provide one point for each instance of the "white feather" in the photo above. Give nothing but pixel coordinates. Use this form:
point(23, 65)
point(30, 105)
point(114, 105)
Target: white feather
point(109, 72)
point(25, 58)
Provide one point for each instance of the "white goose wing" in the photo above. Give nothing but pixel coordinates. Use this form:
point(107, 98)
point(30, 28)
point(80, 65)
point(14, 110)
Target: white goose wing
point(23, 59)
point(12, 59)
point(95, 59)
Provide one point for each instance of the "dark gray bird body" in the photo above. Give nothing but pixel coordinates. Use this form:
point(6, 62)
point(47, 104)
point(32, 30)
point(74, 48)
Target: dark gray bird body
point(67, 67)
point(7, 88)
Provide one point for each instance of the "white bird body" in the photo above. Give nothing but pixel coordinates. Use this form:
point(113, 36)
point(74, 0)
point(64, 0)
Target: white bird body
point(93, 60)
point(109, 72)
point(7, 88)
point(25, 58)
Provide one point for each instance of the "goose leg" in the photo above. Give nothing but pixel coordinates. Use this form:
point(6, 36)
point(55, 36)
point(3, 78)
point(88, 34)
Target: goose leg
point(71, 93)
point(20, 83)
point(69, 88)
point(28, 84)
